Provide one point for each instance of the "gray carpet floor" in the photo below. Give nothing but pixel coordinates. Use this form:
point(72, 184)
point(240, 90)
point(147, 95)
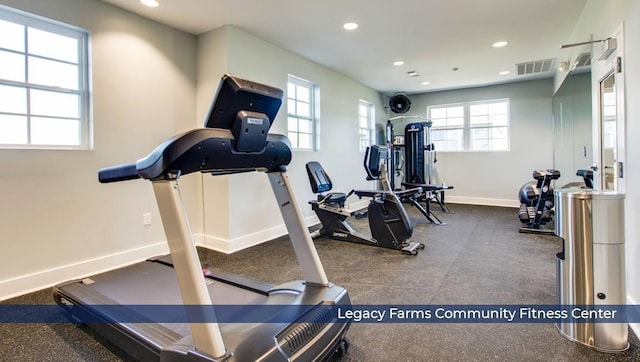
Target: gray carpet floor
point(478, 258)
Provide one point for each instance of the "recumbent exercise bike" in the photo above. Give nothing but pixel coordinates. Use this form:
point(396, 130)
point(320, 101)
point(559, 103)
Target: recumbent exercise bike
point(389, 222)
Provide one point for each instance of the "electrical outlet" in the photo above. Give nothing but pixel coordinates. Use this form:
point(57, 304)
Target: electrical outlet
point(146, 219)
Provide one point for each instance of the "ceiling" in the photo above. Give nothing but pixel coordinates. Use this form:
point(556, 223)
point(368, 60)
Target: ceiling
point(447, 42)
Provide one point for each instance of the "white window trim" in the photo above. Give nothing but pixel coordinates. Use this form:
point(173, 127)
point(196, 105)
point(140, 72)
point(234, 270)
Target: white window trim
point(466, 128)
point(371, 114)
point(84, 76)
point(314, 111)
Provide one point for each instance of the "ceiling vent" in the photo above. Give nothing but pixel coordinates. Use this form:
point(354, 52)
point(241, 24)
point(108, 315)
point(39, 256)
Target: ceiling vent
point(538, 66)
point(584, 59)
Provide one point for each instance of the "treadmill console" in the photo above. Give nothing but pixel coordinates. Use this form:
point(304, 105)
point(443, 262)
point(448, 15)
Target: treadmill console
point(247, 109)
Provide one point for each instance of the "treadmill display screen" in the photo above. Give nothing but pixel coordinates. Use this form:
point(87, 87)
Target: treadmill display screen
point(235, 95)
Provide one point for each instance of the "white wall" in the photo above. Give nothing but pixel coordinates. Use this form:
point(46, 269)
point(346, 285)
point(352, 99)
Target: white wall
point(213, 62)
point(150, 82)
point(249, 213)
point(602, 18)
point(494, 178)
point(57, 222)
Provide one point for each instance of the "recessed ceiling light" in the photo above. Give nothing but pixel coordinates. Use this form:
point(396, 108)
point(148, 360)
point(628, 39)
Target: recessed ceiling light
point(350, 26)
point(499, 44)
point(505, 72)
point(413, 73)
point(425, 83)
point(398, 62)
point(150, 3)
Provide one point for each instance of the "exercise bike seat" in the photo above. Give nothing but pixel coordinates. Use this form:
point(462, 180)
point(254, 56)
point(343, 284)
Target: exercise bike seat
point(321, 184)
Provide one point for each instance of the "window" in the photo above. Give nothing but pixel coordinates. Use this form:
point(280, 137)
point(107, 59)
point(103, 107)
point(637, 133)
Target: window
point(471, 126)
point(44, 83)
point(366, 124)
point(447, 127)
point(301, 111)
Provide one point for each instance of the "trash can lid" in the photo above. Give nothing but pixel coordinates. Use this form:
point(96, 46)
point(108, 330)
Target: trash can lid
point(588, 194)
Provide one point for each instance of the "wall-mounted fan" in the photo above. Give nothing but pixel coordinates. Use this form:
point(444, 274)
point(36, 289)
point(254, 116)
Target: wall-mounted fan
point(399, 103)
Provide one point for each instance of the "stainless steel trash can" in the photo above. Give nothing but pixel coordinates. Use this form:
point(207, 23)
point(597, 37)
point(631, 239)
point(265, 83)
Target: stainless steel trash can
point(591, 268)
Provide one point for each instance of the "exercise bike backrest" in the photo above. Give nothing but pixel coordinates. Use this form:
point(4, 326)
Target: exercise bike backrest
point(373, 156)
point(321, 183)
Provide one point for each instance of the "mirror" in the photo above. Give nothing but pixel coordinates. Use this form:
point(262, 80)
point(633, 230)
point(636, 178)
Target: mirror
point(572, 121)
point(608, 131)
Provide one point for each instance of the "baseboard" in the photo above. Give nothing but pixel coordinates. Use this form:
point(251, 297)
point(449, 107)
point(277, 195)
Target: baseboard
point(358, 205)
point(21, 285)
point(231, 246)
point(481, 201)
point(43, 279)
point(259, 237)
point(47, 278)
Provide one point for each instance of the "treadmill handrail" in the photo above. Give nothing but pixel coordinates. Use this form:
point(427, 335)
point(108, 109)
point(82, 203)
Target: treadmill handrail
point(202, 150)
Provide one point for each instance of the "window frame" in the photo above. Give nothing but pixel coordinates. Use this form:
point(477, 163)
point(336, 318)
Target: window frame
point(467, 128)
point(314, 96)
point(83, 91)
point(369, 131)
point(448, 128)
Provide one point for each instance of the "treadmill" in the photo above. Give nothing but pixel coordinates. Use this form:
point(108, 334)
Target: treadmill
point(301, 326)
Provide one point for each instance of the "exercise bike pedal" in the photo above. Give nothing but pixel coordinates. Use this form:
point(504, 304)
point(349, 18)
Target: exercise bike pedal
point(412, 248)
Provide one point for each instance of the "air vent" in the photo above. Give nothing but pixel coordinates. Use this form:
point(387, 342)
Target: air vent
point(538, 66)
point(584, 59)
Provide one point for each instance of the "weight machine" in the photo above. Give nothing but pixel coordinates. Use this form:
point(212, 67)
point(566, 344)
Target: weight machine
point(418, 153)
point(376, 170)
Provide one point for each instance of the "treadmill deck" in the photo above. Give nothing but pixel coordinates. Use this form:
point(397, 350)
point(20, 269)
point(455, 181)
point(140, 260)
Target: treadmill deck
point(154, 282)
